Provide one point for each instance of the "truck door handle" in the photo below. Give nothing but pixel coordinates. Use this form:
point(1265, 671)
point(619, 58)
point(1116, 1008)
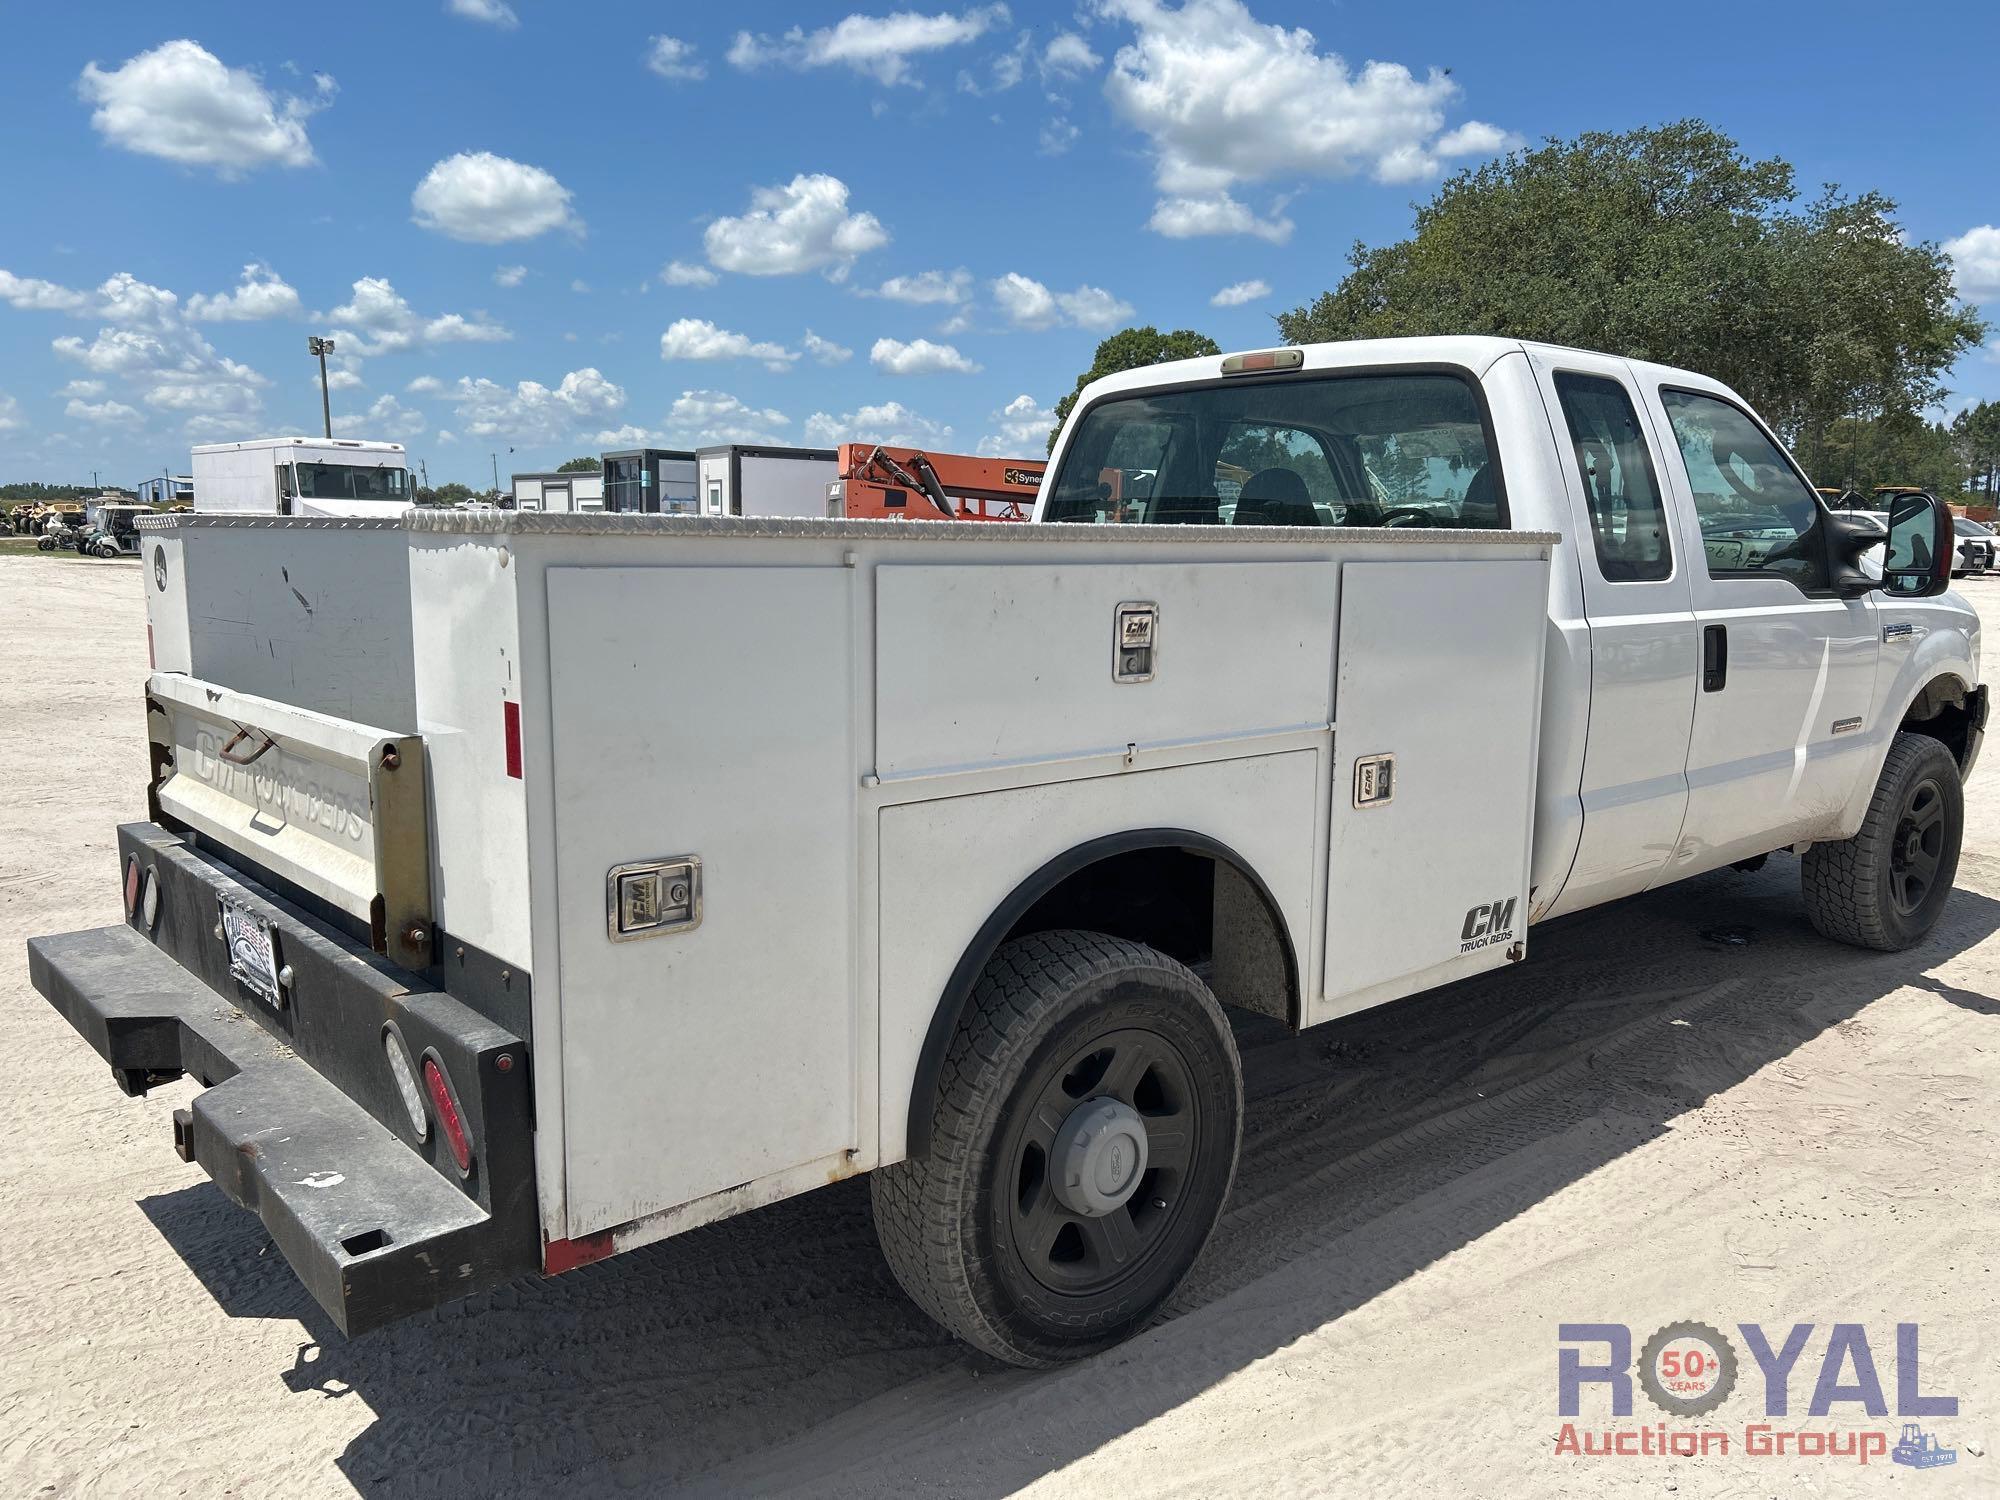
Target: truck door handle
point(1714, 657)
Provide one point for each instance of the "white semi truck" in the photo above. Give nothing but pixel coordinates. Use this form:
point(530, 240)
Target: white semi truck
point(1494, 632)
point(302, 476)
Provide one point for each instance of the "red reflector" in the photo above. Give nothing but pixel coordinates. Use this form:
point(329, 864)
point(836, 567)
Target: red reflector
point(511, 712)
point(446, 1105)
point(131, 885)
point(559, 1256)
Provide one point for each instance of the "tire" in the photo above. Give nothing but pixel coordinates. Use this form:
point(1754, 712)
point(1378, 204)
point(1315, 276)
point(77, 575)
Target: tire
point(1068, 1037)
point(1886, 887)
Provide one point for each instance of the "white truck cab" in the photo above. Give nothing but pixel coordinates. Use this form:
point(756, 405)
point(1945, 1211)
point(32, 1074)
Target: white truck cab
point(302, 476)
point(1323, 674)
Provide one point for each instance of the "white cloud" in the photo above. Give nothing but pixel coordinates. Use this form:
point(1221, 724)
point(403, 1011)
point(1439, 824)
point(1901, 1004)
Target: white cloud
point(510, 276)
point(680, 273)
point(673, 58)
point(1068, 53)
point(1005, 69)
point(1240, 292)
point(891, 422)
point(580, 287)
point(1227, 100)
point(489, 200)
point(169, 368)
point(879, 46)
point(10, 414)
point(262, 293)
point(31, 294)
point(697, 338)
point(1975, 263)
point(385, 421)
point(492, 12)
point(1022, 430)
point(801, 226)
point(1476, 138)
point(535, 412)
point(919, 357)
point(87, 390)
point(826, 351)
point(103, 413)
point(1216, 213)
point(337, 380)
point(131, 303)
point(631, 435)
point(927, 287)
point(700, 417)
point(377, 319)
point(425, 385)
point(1029, 304)
point(1057, 136)
point(179, 101)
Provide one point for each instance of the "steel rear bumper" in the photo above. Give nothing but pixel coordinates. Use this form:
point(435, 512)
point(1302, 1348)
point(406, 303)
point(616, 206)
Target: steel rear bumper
point(373, 1228)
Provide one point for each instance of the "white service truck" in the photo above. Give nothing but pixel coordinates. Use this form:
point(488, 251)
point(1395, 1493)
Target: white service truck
point(693, 863)
point(302, 476)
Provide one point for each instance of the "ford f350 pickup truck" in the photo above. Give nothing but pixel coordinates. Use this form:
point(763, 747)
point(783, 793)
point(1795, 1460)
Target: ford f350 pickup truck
point(523, 888)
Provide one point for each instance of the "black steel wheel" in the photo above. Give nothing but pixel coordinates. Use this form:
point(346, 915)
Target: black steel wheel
point(1082, 1148)
point(1887, 886)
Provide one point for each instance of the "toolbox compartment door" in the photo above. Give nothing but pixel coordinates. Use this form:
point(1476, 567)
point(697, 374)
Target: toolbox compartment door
point(1440, 669)
point(705, 713)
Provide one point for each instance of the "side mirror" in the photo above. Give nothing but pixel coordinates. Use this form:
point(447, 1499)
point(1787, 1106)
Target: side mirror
point(1922, 542)
point(1850, 536)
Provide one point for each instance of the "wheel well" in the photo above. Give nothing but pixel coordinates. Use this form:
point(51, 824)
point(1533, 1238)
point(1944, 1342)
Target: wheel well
point(1189, 896)
point(1942, 711)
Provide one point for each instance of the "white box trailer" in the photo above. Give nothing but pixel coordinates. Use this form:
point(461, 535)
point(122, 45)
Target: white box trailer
point(302, 476)
point(740, 479)
point(560, 493)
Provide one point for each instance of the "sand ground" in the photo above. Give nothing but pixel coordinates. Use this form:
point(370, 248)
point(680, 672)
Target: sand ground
point(1646, 1122)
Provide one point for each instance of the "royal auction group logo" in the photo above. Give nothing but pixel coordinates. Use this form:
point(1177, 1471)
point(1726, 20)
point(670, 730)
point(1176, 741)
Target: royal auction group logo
point(1689, 1369)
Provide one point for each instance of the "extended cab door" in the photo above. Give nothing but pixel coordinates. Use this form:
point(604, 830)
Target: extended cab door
point(1640, 611)
point(1786, 671)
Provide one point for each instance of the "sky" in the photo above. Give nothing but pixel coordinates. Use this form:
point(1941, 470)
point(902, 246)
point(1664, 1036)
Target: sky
point(538, 230)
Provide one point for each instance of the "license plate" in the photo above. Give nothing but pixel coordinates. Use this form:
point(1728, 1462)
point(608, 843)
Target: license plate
point(253, 955)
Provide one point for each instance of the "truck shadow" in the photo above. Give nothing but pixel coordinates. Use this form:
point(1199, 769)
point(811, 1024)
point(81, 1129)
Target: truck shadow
point(704, 1362)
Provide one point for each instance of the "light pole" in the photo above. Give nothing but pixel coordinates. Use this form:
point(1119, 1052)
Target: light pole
point(496, 473)
point(322, 347)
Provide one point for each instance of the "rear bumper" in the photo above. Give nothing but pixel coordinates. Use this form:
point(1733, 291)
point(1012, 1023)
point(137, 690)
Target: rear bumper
point(365, 1215)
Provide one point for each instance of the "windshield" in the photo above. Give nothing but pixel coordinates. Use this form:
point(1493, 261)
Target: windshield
point(1965, 527)
point(352, 482)
point(1327, 450)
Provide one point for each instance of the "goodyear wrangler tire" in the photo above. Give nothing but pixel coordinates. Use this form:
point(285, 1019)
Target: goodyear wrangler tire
point(1886, 887)
point(1083, 1144)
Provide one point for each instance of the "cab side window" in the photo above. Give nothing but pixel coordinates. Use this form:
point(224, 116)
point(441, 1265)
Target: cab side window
point(1627, 519)
point(1757, 515)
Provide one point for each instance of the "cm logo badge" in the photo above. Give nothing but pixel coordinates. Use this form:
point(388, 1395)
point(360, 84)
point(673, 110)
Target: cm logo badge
point(1488, 921)
point(160, 567)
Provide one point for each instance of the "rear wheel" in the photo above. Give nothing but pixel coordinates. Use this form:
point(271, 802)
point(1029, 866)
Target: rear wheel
point(1083, 1144)
point(1886, 887)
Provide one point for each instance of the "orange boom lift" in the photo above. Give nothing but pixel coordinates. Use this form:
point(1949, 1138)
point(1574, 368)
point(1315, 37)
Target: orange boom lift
point(877, 482)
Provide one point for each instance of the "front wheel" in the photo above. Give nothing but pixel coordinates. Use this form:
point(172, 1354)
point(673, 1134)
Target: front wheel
point(1082, 1146)
point(1886, 887)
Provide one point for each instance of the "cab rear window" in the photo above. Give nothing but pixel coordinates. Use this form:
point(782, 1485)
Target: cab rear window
point(1389, 450)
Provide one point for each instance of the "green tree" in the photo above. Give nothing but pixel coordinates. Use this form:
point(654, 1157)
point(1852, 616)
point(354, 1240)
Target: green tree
point(1976, 435)
point(1131, 349)
point(1895, 448)
point(580, 466)
point(1669, 244)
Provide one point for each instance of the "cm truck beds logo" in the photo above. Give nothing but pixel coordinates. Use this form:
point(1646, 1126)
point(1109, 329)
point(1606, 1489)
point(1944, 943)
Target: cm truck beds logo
point(1492, 923)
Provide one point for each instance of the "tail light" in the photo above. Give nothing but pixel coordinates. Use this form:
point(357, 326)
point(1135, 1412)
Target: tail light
point(444, 1100)
point(132, 878)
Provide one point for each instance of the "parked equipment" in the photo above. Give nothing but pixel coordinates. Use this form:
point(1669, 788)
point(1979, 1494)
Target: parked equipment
point(741, 479)
point(878, 482)
point(299, 476)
